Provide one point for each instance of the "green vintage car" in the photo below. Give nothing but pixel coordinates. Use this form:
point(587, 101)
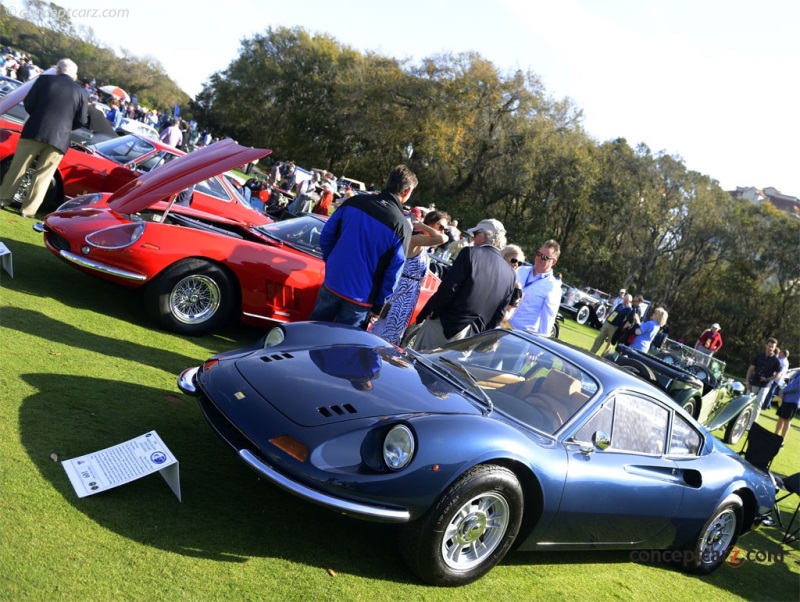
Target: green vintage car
point(696, 382)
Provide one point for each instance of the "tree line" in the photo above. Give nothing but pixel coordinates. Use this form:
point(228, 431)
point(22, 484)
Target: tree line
point(488, 143)
point(485, 143)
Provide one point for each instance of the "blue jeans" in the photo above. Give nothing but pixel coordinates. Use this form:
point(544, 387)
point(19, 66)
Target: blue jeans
point(332, 308)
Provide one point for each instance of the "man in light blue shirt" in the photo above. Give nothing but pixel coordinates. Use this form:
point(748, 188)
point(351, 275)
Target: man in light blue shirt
point(541, 292)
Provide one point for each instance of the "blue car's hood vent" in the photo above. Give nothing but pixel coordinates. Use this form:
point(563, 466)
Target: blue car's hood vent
point(347, 382)
point(276, 357)
point(336, 410)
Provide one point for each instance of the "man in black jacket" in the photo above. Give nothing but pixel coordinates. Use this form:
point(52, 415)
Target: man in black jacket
point(56, 105)
point(475, 292)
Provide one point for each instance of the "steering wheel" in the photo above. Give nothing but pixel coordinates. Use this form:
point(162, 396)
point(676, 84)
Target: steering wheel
point(703, 374)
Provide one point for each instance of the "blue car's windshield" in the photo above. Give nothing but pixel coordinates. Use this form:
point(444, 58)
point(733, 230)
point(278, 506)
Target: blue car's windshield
point(522, 379)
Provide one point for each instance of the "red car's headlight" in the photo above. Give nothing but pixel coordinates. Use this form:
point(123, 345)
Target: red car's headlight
point(116, 237)
point(81, 201)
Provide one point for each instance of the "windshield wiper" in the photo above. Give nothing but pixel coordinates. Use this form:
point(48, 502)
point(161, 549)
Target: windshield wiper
point(416, 356)
point(471, 379)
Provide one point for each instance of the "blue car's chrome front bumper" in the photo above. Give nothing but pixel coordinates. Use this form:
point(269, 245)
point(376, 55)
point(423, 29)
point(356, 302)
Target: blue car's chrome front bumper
point(364, 511)
point(187, 384)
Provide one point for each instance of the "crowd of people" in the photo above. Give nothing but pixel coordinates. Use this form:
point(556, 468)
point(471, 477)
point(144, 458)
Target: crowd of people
point(17, 65)
point(173, 130)
point(626, 324)
point(377, 252)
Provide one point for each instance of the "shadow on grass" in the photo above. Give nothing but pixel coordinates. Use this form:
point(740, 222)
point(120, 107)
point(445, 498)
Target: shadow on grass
point(38, 274)
point(758, 568)
point(227, 513)
point(33, 322)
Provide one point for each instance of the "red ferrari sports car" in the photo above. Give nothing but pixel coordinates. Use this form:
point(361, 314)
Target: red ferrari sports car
point(110, 164)
point(196, 269)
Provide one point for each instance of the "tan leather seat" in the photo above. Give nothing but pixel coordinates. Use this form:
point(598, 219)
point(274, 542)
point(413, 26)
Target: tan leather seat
point(561, 393)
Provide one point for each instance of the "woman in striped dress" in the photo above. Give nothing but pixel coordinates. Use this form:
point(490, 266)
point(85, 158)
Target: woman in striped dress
point(393, 320)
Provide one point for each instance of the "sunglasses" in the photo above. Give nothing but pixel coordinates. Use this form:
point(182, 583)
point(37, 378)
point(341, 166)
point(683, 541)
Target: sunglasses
point(514, 261)
point(440, 227)
point(544, 257)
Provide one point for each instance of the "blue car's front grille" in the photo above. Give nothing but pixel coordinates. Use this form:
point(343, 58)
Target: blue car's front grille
point(229, 433)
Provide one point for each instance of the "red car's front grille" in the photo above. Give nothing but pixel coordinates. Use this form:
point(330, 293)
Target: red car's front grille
point(57, 242)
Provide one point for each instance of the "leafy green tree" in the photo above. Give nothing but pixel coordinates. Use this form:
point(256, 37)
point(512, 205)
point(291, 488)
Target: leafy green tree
point(52, 24)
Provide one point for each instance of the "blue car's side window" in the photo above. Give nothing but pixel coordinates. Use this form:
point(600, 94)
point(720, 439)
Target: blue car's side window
point(640, 425)
point(685, 440)
point(601, 421)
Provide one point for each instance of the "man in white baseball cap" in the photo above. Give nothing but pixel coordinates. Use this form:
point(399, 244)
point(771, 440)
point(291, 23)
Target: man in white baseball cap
point(709, 342)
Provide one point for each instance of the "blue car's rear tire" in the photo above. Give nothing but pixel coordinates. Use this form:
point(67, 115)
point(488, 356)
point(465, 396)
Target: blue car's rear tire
point(469, 529)
point(716, 538)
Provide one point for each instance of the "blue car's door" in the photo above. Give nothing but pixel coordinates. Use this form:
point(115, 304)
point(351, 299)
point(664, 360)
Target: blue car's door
point(627, 493)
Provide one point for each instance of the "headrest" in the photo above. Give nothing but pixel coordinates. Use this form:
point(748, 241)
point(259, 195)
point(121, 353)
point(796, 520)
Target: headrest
point(560, 385)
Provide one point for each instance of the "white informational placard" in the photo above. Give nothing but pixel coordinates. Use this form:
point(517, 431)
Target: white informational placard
point(122, 464)
point(5, 259)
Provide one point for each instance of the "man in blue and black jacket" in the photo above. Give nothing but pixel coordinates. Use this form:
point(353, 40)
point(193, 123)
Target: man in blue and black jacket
point(364, 246)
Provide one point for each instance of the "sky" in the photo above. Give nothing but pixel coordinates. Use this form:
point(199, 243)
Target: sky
point(714, 82)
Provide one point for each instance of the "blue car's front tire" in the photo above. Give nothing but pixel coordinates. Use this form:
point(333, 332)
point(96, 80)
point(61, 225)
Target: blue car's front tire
point(469, 529)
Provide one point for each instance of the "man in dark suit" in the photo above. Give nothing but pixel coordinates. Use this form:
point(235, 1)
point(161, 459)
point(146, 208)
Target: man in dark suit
point(56, 105)
point(475, 292)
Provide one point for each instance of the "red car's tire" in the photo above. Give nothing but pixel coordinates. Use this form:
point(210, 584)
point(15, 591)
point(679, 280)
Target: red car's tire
point(54, 196)
point(191, 297)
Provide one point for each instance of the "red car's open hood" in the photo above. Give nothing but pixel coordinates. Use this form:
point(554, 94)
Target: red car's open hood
point(13, 98)
point(181, 173)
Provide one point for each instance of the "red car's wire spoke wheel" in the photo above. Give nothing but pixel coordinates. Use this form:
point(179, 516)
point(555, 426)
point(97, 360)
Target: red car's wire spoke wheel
point(194, 299)
point(191, 297)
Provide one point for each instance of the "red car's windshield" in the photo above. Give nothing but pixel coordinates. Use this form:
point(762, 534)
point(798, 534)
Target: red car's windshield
point(124, 149)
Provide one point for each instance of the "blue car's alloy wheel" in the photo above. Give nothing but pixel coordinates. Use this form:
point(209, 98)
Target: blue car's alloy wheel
point(717, 538)
point(469, 530)
point(475, 531)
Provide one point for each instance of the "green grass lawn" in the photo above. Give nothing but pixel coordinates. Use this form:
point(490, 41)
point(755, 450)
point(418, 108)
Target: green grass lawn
point(82, 369)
